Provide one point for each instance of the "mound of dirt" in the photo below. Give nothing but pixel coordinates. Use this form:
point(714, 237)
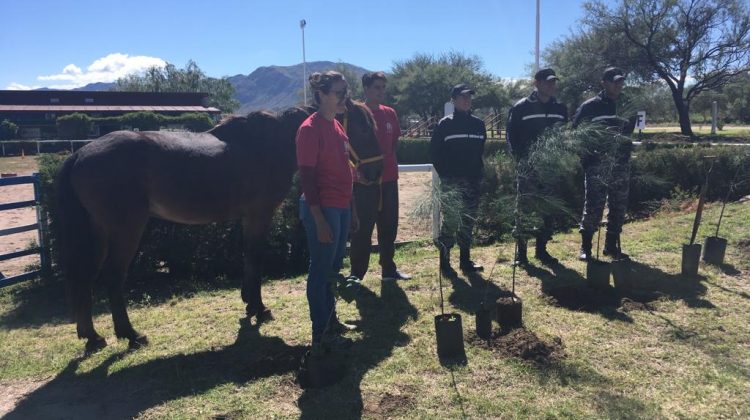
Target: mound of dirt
point(629, 305)
point(391, 403)
point(525, 345)
point(744, 246)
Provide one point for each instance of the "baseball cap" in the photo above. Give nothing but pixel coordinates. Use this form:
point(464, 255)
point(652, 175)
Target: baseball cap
point(546, 74)
point(613, 74)
point(461, 89)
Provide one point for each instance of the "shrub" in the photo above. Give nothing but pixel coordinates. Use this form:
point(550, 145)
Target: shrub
point(8, 130)
point(143, 121)
point(74, 126)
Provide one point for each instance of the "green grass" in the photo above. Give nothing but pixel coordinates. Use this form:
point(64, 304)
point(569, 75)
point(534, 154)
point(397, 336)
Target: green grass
point(681, 352)
point(19, 165)
point(703, 129)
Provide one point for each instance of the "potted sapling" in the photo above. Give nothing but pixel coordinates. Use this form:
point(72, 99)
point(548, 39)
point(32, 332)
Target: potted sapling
point(691, 252)
point(715, 246)
point(510, 308)
point(448, 329)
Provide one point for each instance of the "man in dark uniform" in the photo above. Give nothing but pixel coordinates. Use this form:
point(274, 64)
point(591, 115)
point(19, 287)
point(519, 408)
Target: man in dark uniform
point(527, 120)
point(606, 163)
point(456, 150)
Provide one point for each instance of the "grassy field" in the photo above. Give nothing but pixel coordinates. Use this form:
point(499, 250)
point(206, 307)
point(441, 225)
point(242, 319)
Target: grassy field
point(673, 348)
point(703, 129)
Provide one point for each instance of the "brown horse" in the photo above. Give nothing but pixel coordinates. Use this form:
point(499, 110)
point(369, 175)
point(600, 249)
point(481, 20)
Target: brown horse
point(241, 169)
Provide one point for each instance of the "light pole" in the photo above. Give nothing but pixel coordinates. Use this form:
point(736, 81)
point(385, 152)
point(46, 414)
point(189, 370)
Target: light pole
point(536, 62)
point(302, 24)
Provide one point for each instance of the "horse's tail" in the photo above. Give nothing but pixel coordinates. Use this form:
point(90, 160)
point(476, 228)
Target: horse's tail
point(75, 240)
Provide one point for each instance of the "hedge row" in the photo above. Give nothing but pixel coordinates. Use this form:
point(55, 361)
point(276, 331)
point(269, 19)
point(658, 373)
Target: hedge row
point(78, 125)
point(214, 250)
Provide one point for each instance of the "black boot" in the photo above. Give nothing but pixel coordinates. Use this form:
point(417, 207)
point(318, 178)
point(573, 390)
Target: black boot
point(586, 238)
point(612, 247)
point(542, 254)
point(466, 264)
point(445, 263)
point(521, 258)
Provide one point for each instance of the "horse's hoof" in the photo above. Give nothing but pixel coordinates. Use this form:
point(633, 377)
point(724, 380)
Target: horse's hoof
point(138, 342)
point(93, 345)
point(263, 316)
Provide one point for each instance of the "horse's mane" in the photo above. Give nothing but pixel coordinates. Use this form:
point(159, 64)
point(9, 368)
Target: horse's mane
point(361, 114)
point(237, 128)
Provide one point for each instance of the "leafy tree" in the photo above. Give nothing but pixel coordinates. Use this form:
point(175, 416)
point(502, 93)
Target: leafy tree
point(737, 95)
point(8, 130)
point(421, 85)
point(690, 45)
point(189, 79)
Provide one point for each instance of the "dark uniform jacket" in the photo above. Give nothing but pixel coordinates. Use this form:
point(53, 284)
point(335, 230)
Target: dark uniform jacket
point(528, 118)
point(601, 109)
point(457, 146)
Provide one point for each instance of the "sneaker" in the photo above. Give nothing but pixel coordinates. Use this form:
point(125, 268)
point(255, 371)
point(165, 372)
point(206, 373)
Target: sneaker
point(470, 267)
point(396, 276)
point(338, 327)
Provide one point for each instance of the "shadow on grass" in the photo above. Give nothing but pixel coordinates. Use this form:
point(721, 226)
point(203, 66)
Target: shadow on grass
point(129, 391)
point(568, 289)
point(45, 303)
point(470, 290)
point(381, 320)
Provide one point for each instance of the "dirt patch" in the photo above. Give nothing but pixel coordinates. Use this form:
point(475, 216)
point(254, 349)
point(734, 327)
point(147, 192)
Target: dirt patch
point(744, 246)
point(413, 187)
point(525, 345)
point(629, 305)
point(388, 405)
point(15, 218)
point(14, 391)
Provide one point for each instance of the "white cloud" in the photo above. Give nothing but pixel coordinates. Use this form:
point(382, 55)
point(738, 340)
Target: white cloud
point(103, 70)
point(18, 86)
point(72, 69)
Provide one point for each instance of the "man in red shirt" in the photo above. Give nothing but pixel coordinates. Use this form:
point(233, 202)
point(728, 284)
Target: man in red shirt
point(378, 203)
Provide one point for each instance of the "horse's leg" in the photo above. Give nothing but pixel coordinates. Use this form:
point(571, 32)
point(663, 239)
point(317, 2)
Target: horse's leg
point(123, 244)
point(254, 231)
point(87, 269)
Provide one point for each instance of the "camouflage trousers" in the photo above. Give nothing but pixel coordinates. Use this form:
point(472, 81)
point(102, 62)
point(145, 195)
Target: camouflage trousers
point(459, 229)
point(609, 185)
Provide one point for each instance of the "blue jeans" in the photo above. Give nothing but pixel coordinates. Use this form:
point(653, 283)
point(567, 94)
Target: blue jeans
point(325, 258)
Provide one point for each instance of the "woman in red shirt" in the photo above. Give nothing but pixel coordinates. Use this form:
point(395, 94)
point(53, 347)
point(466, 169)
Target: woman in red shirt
point(325, 205)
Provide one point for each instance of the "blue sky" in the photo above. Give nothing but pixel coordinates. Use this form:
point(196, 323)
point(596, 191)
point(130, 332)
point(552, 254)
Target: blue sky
point(70, 43)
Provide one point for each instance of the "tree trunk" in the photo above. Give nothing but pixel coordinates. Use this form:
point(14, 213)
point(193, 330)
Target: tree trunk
point(683, 111)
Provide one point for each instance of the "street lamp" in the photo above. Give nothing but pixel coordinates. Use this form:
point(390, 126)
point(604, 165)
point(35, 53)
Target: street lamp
point(302, 24)
point(536, 62)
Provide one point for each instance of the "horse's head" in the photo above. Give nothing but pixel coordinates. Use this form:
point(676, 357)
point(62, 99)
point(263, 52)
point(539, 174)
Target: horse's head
point(365, 150)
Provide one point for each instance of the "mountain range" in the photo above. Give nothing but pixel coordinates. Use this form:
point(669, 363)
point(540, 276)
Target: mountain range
point(270, 87)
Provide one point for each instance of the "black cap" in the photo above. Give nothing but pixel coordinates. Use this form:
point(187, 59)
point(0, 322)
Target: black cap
point(461, 89)
point(613, 74)
point(545, 74)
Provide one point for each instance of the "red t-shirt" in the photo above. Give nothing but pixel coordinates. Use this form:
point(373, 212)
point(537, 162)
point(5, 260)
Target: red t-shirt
point(388, 132)
point(322, 145)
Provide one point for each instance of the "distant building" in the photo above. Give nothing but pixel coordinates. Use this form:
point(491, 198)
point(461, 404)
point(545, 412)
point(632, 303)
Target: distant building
point(35, 111)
